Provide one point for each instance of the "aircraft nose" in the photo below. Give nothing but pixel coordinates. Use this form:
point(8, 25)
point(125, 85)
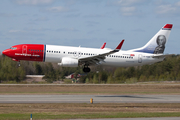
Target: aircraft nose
point(5, 52)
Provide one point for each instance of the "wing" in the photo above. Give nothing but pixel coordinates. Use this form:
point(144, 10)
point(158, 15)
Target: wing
point(98, 59)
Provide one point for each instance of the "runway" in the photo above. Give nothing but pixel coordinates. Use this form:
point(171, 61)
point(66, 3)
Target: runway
point(86, 98)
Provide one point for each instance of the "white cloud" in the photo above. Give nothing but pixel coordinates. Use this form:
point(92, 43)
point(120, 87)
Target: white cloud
point(92, 23)
point(129, 2)
point(95, 15)
point(16, 31)
point(7, 15)
point(166, 9)
point(33, 2)
point(178, 3)
point(41, 19)
point(67, 29)
point(131, 7)
point(57, 9)
point(128, 11)
point(26, 34)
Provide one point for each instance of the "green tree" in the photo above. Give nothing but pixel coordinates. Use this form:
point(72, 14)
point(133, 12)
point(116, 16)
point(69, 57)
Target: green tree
point(95, 80)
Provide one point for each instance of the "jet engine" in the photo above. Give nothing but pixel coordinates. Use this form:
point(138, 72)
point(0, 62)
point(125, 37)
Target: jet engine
point(68, 62)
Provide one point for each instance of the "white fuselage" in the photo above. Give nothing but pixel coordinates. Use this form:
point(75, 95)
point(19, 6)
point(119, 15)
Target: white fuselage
point(54, 53)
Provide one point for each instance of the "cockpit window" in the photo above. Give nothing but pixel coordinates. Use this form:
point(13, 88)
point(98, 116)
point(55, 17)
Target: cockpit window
point(13, 48)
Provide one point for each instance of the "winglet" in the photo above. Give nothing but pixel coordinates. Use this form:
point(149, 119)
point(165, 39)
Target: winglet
point(102, 47)
point(120, 45)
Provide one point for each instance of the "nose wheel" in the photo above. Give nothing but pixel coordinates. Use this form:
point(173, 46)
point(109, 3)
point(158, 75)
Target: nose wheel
point(86, 69)
point(18, 64)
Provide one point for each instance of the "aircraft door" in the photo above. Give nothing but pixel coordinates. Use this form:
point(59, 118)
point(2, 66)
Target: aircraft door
point(139, 58)
point(24, 49)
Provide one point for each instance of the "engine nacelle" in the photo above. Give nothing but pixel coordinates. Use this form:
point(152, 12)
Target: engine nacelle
point(68, 62)
point(15, 60)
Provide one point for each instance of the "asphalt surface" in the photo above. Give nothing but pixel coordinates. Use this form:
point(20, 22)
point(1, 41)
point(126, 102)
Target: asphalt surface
point(86, 98)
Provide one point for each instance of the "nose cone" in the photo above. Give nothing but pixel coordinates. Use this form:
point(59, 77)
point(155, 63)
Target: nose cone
point(6, 52)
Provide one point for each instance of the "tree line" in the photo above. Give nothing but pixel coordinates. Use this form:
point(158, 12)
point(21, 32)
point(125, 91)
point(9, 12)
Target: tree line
point(167, 70)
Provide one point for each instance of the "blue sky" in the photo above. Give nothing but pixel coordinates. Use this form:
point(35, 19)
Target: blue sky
point(88, 23)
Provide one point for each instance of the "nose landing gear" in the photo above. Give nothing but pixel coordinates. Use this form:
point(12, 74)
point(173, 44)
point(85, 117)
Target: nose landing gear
point(18, 64)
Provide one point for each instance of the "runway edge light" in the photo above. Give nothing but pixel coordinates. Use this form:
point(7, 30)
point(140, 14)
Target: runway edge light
point(91, 101)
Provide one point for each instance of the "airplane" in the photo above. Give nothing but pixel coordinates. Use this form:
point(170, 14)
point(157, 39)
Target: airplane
point(68, 56)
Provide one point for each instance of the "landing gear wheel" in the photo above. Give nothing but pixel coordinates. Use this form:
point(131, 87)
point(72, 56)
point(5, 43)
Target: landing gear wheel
point(86, 69)
point(18, 64)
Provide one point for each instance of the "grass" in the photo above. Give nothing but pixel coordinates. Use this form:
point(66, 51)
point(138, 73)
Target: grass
point(15, 116)
point(91, 89)
point(88, 111)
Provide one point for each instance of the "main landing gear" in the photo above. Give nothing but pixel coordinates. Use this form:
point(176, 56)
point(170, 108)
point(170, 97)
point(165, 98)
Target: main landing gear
point(86, 69)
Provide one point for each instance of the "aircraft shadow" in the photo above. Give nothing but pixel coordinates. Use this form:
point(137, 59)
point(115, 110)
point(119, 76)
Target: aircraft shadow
point(128, 96)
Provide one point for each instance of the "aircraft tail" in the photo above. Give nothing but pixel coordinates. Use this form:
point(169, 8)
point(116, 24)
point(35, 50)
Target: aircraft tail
point(157, 43)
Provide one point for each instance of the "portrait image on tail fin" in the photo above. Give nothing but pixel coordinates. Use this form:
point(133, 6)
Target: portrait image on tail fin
point(161, 41)
point(156, 45)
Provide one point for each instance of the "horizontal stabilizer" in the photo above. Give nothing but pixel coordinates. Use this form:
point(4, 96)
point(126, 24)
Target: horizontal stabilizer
point(162, 55)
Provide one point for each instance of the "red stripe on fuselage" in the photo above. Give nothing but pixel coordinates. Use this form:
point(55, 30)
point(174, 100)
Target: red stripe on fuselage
point(30, 52)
